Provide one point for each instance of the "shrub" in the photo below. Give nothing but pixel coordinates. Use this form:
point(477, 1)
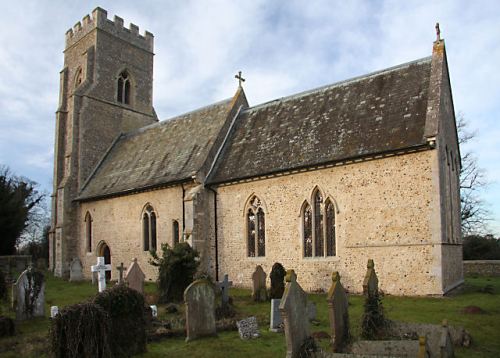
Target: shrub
point(374, 322)
point(176, 269)
point(277, 276)
point(125, 308)
point(7, 326)
point(481, 248)
point(4, 293)
point(80, 330)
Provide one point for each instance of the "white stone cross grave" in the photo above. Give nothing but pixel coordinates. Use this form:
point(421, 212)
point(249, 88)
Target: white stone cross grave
point(101, 269)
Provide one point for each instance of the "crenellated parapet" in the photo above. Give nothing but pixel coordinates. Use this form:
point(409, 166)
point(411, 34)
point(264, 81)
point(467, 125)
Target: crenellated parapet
point(99, 19)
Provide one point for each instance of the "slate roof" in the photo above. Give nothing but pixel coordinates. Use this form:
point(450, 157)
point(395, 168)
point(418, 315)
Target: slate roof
point(166, 152)
point(376, 113)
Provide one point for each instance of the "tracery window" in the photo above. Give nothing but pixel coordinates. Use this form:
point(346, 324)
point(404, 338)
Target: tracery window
point(88, 231)
point(149, 229)
point(123, 88)
point(256, 229)
point(318, 226)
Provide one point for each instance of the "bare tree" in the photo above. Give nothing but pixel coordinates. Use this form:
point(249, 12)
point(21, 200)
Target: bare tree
point(474, 213)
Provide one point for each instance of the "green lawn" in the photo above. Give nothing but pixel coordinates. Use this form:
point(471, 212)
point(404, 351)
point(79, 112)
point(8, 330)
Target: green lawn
point(31, 339)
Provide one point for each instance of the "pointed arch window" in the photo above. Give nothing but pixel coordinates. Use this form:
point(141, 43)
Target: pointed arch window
point(318, 226)
point(175, 232)
point(123, 88)
point(149, 229)
point(78, 77)
point(256, 229)
point(88, 231)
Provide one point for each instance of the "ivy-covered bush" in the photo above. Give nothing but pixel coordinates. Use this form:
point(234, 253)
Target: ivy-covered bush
point(277, 276)
point(3, 287)
point(374, 322)
point(176, 269)
point(80, 330)
point(125, 308)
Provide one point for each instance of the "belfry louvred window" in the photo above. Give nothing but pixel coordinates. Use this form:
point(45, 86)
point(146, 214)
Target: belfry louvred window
point(123, 88)
point(256, 229)
point(318, 226)
point(149, 229)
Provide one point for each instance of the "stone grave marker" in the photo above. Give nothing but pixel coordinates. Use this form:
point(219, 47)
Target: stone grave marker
point(293, 308)
point(338, 313)
point(54, 310)
point(75, 270)
point(224, 286)
point(120, 273)
point(28, 295)
point(445, 343)
point(311, 311)
point(248, 328)
point(277, 277)
point(276, 323)
point(154, 311)
point(199, 298)
point(101, 269)
point(259, 291)
point(135, 277)
point(398, 348)
point(370, 283)
point(94, 278)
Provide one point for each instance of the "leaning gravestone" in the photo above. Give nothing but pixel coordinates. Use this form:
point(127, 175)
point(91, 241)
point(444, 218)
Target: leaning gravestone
point(293, 308)
point(248, 328)
point(277, 277)
point(370, 283)
point(276, 323)
point(135, 277)
point(28, 294)
point(199, 298)
point(75, 270)
point(338, 314)
point(259, 291)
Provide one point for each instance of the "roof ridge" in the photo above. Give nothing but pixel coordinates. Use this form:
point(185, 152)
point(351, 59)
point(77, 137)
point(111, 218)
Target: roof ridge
point(339, 83)
point(177, 117)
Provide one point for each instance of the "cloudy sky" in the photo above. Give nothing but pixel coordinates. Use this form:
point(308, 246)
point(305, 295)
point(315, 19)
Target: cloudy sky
point(282, 47)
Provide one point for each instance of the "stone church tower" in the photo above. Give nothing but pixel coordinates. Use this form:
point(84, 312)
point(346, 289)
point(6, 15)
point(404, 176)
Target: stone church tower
point(105, 90)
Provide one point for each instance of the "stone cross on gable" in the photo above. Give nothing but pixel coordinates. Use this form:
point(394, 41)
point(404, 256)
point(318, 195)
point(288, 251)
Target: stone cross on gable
point(239, 78)
point(224, 286)
point(101, 269)
point(120, 269)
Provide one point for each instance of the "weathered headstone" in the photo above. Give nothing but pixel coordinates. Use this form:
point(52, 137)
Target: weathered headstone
point(259, 291)
point(370, 283)
point(293, 308)
point(311, 311)
point(277, 277)
point(135, 277)
point(338, 313)
point(224, 286)
point(276, 323)
point(154, 311)
point(120, 269)
point(248, 328)
point(28, 294)
point(101, 269)
point(397, 348)
point(199, 298)
point(75, 270)
point(54, 310)
point(445, 342)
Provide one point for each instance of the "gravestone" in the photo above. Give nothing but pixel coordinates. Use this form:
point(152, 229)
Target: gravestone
point(399, 348)
point(311, 311)
point(94, 278)
point(199, 298)
point(154, 311)
point(75, 270)
point(28, 295)
point(224, 286)
point(248, 328)
point(293, 308)
point(120, 273)
point(445, 343)
point(370, 283)
point(277, 277)
point(338, 313)
point(135, 277)
point(54, 310)
point(259, 291)
point(101, 269)
point(276, 323)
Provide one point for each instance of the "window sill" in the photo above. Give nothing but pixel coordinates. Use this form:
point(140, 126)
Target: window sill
point(256, 258)
point(327, 258)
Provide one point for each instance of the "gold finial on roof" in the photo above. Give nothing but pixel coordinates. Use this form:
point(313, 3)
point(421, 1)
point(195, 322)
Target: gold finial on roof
point(438, 32)
point(240, 78)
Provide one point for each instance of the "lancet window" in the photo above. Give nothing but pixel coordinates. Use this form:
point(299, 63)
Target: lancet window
point(88, 231)
point(123, 88)
point(175, 232)
point(149, 229)
point(256, 228)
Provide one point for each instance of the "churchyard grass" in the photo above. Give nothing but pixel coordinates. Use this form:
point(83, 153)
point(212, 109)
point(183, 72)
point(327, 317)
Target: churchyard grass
point(31, 337)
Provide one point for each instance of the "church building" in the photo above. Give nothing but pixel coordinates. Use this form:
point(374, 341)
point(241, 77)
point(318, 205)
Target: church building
point(321, 181)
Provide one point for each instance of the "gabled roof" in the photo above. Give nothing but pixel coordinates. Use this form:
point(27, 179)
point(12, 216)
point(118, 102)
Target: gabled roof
point(376, 113)
point(167, 152)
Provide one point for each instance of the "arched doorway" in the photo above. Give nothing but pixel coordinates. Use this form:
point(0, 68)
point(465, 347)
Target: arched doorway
point(106, 253)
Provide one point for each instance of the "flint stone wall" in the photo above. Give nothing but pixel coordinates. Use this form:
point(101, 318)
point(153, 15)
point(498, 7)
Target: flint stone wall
point(482, 267)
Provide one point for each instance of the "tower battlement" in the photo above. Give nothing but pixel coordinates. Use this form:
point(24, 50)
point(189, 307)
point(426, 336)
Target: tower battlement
point(99, 19)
